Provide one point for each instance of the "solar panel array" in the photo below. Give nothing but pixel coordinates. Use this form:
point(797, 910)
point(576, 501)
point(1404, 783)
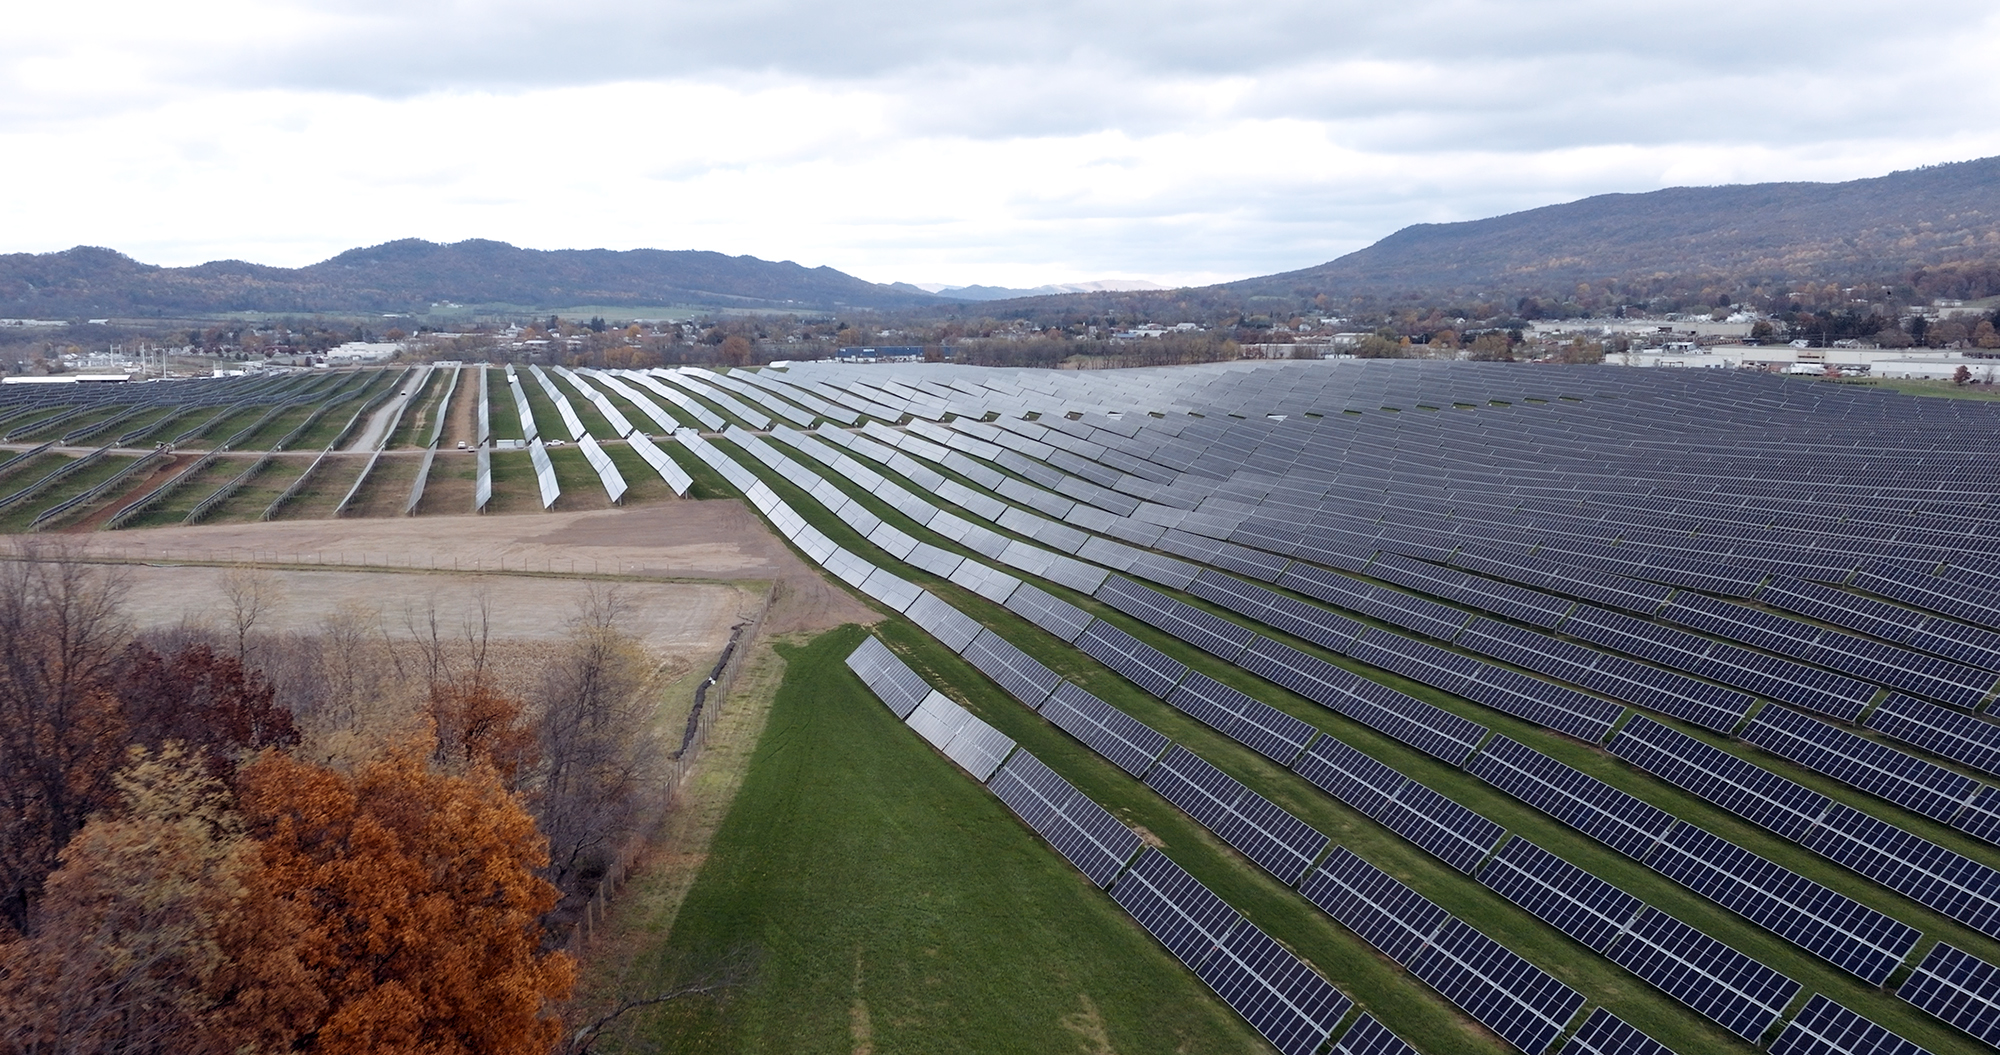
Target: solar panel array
point(1525, 1005)
point(1831, 672)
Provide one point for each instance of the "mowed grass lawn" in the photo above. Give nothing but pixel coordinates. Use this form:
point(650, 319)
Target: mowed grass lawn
point(886, 900)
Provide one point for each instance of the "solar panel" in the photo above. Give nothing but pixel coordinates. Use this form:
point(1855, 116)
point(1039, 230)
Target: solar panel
point(1456, 835)
point(953, 628)
point(1604, 1033)
point(1959, 988)
point(1053, 614)
point(1832, 926)
point(1733, 990)
point(1945, 733)
point(1911, 865)
point(1524, 1004)
point(892, 681)
point(1220, 637)
point(1140, 663)
point(1282, 998)
point(1258, 828)
point(1741, 787)
point(1615, 818)
point(1560, 894)
point(1370, 1037)
point(1826, 1028)
point(1125, 741)
point(1858, 762)
point(1086, 834)
point(1020, 674)
point(1278, 611)
point(1261, 727)
point(1376, 907)
point(1174, 907)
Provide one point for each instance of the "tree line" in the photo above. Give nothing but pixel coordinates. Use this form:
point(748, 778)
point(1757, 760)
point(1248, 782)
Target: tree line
point(342, 840)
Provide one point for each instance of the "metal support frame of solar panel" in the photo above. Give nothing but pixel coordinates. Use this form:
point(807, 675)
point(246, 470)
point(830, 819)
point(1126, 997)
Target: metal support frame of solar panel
point(1737, 785)
point(1830, 925)
point(1260, 829)
point(1255, 724)
point(1943, 732)
point(1823, 1027)
point(888, 677)
point(1910, 782)
point(1718, 982)
point(1958, 988)
point(1123, 740)
point(1282, 998)
point(1560, 894)
point(1141, 664)
point(1023, 676)
point(1620, 820)
point(1604, 1033)
point(1086, 834)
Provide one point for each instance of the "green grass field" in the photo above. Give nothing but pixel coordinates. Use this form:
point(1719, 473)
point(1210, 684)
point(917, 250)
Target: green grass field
point(885, 900)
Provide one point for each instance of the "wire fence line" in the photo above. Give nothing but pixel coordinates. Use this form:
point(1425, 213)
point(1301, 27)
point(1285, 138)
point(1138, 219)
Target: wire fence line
point(710, 697)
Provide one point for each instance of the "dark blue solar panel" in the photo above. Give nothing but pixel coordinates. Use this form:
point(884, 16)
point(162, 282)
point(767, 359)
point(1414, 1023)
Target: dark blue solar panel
point(1856, 761)
point(1184, 621)
point(1125, 741)
point(1263, 728)
point(1911, 865)
point(1053, 614)
point(1085, 833)
point(1825, 1028)
point(1733, 990)
point(1456, 835)
point(1368, 901)
point(1277, 611)
point(1942, 732)
point(1349, 775)
point(1741, 787)
point(1560, 894)
point(1140, 663)
point(1258, 828)
point(1604, 1033)
point(1830, 925)
point(1615, 818)
point(1370, 1037)
point(1282, 998)
point(1174, 907)
point(1959, 988)
point(1524, 1004)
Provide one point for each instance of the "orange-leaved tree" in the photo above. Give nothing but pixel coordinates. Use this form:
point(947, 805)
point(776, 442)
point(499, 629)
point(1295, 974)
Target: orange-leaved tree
point(159, 933)
point(421, 902)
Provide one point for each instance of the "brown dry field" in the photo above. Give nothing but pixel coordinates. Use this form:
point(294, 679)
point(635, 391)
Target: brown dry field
point(534, 566)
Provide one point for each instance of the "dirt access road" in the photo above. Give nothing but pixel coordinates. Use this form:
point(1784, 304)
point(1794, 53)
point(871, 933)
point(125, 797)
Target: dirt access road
point(716, 543)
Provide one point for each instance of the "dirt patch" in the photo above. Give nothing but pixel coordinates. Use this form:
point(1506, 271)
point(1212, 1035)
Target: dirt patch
point(676, 539)
point(161, 473)
point(458, 423)
point(675, 618)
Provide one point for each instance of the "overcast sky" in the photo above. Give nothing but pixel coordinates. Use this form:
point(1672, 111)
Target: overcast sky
point(1010, 142)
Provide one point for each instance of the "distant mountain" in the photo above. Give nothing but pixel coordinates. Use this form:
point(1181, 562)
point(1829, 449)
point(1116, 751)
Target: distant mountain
point(977, 293)
point(1739, 235)
point(411, 274)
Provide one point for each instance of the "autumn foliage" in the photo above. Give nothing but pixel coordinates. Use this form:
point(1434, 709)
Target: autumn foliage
point(174, 879)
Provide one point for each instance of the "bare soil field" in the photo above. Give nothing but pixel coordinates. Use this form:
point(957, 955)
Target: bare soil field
point(719, 541)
